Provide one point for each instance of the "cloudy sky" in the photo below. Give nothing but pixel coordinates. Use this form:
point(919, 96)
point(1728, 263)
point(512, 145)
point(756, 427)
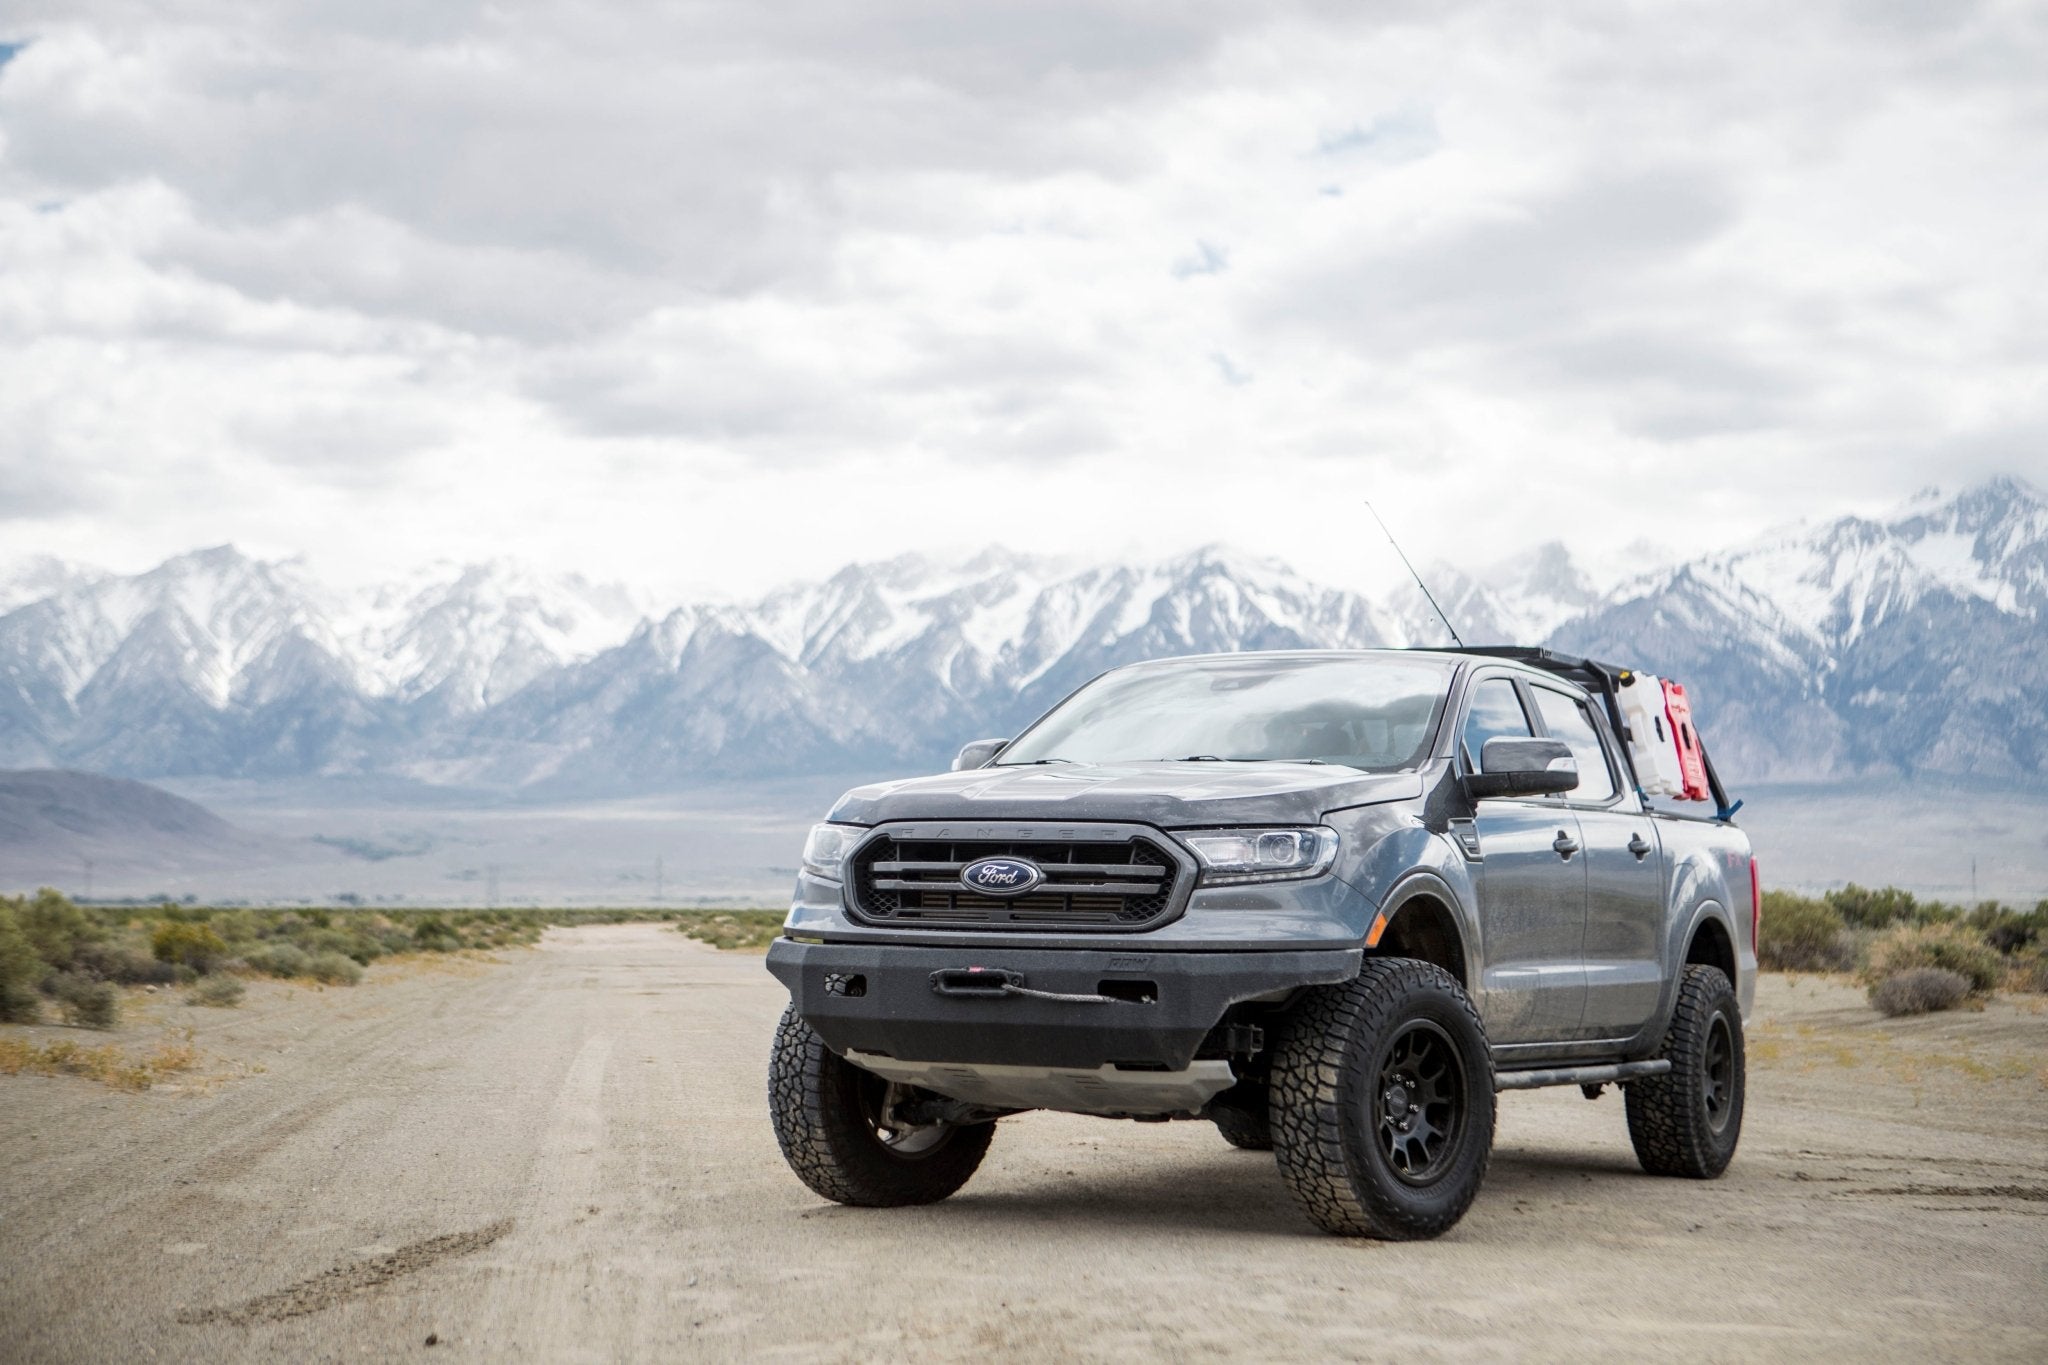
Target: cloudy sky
point(726, 294)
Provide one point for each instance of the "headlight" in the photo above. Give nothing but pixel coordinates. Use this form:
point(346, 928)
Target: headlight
point(1262, 855)
point(826, 849)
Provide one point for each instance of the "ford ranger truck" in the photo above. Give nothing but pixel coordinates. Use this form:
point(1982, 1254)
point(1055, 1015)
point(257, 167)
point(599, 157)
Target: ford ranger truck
point(1331, 902)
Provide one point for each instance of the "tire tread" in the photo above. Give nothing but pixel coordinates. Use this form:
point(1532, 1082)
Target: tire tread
point(1666, 1124)
point(1307, 1108)
point(815, 1109)
point(1244, 1129)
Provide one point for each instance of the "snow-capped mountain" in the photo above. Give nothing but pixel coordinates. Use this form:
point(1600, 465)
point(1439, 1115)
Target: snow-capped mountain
point(209, 662)
point(1911, 643)
point(464, 637)
point(1522, 599)
point(216, 663)
point(1915, 643)
point(32, 579)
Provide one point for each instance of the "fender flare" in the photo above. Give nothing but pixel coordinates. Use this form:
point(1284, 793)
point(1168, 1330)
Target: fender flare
point(1419, 882)
point(1706, 909)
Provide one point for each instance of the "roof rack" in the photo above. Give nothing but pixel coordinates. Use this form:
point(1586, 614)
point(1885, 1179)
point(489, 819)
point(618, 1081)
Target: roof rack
point(1604, 681)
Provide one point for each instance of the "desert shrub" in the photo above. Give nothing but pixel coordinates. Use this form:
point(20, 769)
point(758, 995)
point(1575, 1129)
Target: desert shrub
point(1935, 912)
point(1863, 908)
point(2030, 972)
point(335, 969)
point(435, 934)
point(21, 969)
point(278, 959)
point(117, 962)
point(20, 1005)
point(1950, 947)
point(221, 991)
point(734, 929)
point(2009, 931)
point(86, 1002)
point(1799, 934)
point(236, 926)
point(359, 946)
point(1919, 990)
point(395, 938)
point(315, 940)
point(191, 945)
point(55, 926)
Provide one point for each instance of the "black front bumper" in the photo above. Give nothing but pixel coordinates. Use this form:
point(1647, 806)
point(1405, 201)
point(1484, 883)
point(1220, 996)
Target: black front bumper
point(898, 1012)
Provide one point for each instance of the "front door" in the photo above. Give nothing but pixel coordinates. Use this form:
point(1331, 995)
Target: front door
point(1625, 877)
point(1532, 893)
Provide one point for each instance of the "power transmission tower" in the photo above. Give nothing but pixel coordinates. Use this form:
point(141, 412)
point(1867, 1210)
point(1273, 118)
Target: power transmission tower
point(491, 886)
point(657, 879)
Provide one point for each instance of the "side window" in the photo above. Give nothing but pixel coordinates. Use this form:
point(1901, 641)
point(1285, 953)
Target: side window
point(1566, 718)
point(1495, 709)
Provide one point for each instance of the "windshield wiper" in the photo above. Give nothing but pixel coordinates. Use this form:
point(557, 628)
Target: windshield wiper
point(1031, 762)
point(1211, 758)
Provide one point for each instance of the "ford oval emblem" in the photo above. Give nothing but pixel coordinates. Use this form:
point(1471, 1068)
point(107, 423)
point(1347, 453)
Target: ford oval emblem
point(1001, 876)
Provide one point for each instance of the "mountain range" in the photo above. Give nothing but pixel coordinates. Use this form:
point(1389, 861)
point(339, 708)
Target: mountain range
point(55, 825)
point(1911, 643)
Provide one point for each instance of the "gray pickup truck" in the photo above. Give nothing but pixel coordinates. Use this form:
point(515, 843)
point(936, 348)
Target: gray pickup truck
point(1331, 902)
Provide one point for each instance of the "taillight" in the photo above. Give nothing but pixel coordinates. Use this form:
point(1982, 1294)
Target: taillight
point(1756, 905)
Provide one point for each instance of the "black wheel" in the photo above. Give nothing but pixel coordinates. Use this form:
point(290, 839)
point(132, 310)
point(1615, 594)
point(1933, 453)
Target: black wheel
point(837, 1128)
point(1243, 1121)
point(1382, 1102)
point(1687, 1121)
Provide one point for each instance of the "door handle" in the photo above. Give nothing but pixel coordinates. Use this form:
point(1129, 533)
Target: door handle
point(1565, 845)
point(1639, 846)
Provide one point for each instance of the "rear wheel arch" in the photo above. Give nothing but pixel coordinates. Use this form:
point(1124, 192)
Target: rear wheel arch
point(1712, 945)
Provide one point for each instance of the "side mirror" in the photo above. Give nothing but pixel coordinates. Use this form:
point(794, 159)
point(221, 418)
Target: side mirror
point(1510, 766)
point(978, 754)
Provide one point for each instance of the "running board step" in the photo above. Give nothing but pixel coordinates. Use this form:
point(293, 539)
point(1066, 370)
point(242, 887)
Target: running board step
point(1580, 1075)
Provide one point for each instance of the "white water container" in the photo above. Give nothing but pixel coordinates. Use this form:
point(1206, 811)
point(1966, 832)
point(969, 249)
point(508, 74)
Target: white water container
point(1651, 743)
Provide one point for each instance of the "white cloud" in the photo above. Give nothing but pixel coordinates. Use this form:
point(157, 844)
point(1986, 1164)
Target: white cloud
point(728, 293)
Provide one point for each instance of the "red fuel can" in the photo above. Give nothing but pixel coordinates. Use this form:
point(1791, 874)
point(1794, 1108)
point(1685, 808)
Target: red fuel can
point(1692, 764)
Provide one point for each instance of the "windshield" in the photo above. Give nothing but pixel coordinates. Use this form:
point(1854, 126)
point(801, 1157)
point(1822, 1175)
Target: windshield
point(1370, 712)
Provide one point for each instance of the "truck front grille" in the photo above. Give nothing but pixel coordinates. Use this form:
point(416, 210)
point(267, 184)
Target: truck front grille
point(913, 880)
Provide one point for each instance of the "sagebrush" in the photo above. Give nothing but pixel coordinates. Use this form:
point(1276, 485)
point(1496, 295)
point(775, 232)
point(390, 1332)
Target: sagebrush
point(1801, 935)
point(223, 992)
point(56, 953)
point(733, 929)
point(1920, 990)
point(1947, 947)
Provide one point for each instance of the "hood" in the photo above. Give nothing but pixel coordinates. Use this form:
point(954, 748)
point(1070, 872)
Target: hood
point(1165, 794)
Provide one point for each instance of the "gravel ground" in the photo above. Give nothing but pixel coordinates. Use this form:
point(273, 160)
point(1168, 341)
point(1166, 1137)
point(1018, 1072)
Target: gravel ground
point(567, 1157)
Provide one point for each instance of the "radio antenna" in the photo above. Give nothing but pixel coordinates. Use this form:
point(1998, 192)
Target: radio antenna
point(1427, 594)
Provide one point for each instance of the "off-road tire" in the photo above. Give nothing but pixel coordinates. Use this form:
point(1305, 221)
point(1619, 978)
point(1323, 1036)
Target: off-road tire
point(820, 1104)
point(1246, 1128)
point(1688, 1121)
point(1328, 1109)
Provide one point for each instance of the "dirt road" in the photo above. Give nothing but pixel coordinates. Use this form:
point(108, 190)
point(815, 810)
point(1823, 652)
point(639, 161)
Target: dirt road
point(568, 1158)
